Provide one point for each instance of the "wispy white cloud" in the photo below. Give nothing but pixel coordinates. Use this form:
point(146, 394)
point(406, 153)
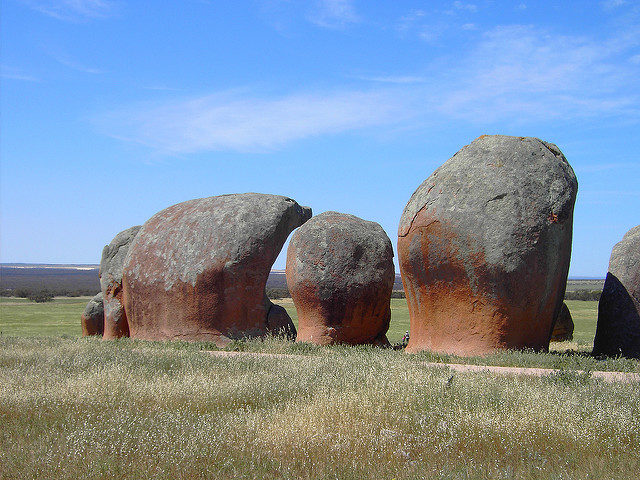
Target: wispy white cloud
point(519, 71)
point(65, 59)
point(515, 74)
point(612, 4)
point(13, 73)
point(397, 79)
point(469, 7)
point(334, 14)
point(72, 10)
point(231, 121)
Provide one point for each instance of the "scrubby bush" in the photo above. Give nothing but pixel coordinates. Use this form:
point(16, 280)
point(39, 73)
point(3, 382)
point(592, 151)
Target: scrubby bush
point(584, 295)
point(275, 293)
point(40, 297)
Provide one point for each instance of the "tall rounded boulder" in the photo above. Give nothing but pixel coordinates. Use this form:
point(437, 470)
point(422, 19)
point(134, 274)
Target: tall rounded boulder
point(340, 275)
point(198, 270)
point(484, 246)
point(618, 329)
point(111, 265)
point(92, 319)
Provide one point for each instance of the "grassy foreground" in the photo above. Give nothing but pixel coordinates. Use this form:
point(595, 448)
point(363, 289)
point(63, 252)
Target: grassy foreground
point(82, 408)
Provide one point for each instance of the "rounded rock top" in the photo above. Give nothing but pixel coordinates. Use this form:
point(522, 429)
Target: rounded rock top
point(340, 242)
point(183, 240)
point(487, 187)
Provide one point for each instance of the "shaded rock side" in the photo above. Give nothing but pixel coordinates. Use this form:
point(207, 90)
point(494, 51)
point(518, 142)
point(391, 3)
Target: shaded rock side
point(618, 329)
point(340, 275)
point(198, 269)
point(563, 329)
point(111, 265)
point(92, 319)
point(484, 246)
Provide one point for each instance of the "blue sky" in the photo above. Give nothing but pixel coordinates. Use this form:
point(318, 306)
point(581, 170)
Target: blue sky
point(114, 110)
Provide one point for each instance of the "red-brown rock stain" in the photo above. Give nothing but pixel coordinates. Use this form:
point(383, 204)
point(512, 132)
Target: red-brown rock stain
point(359, 316)
point(452, 313)
point(227, 301)
point(116, 324)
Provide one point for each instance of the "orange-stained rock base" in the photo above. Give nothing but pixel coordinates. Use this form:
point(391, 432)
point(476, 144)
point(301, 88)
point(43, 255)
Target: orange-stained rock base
point(115, 318)
point(91, 326)
point(212, 310)
point(349, 327)
point(448, 315)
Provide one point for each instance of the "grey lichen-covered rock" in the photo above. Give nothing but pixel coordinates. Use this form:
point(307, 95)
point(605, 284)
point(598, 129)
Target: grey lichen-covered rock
point(111, 265)
point(198, 270)
point(484, 247)
point(92, 319)
point(563, 328)
point(340, 275)
point(618, 329)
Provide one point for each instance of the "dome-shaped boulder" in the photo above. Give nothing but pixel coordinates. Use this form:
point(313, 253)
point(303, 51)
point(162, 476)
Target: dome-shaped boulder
point(618, 329)
point(340, 275)
point(198, 269)
point(484, 246)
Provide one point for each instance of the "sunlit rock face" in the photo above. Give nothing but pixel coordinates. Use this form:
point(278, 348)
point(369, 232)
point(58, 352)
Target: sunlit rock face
point(340, 275)
point(618, 330)
point(111, 265)
point(484, 246)
point(198, 270)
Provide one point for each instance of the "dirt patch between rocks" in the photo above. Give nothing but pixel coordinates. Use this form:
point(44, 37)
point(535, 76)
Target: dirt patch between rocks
point(463, 368)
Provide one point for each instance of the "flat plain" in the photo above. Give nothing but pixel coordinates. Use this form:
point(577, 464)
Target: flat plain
point(21, 317)
point(73, 407)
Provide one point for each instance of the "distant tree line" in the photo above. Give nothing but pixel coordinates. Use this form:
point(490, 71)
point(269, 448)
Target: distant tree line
point(40, 294)
point(585, 295)
point(42, 283)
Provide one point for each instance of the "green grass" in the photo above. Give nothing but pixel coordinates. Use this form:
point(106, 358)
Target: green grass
point(82, 408)
point(61, 317)
point(585, 317)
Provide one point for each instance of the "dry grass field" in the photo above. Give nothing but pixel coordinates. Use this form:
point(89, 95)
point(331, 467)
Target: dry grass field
point(81, 408)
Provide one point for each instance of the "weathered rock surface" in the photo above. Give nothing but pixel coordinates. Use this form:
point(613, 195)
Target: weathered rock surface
point(111, 264)
point(340, 275)
point(484, 247)
point(198, 270)
point(92, 319)
point(563, 329)
point(618, 330)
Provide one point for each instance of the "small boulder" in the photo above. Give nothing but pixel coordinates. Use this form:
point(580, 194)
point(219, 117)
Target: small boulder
point(111, 264)
point(92, 319)
point(618, 329)
point(484, 246)
point(279, 322)
point(198, 269)
point(340, 275)
point(563, 329)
